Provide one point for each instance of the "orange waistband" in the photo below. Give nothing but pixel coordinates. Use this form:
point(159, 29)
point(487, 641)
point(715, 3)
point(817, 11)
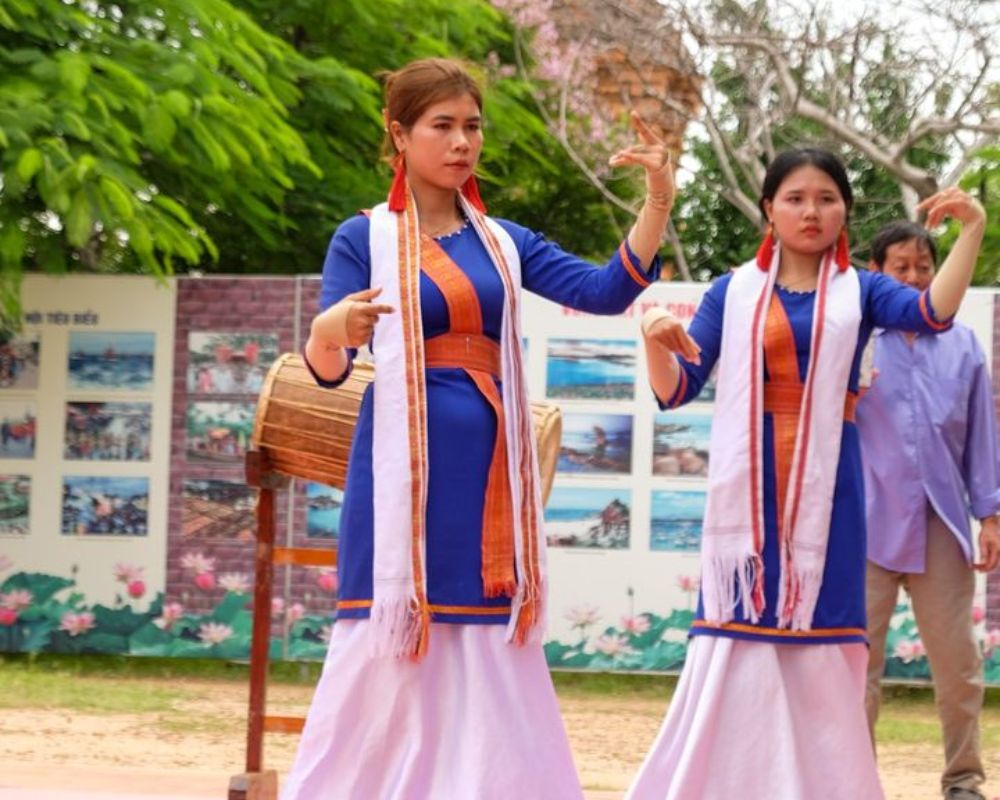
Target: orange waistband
point(463, 351)
point(786, 398)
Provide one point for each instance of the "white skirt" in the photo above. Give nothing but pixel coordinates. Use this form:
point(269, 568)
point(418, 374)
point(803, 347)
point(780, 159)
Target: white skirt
point(476, 719)
point(760, 721)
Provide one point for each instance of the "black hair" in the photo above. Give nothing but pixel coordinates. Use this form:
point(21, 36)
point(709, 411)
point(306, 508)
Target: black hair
point(790, 160)
point(896, 232)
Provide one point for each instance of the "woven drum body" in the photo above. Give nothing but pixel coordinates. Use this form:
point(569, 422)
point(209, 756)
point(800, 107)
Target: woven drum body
point(305, 431)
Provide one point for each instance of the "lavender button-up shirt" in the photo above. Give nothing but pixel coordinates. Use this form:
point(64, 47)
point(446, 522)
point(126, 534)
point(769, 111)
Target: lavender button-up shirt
point(928, 434)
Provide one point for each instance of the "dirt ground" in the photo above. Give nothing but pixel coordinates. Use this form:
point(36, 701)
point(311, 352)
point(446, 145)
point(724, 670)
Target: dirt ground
point(200, 740)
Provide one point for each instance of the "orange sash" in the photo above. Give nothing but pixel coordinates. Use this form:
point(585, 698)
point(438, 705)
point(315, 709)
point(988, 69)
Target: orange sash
point(466, 347)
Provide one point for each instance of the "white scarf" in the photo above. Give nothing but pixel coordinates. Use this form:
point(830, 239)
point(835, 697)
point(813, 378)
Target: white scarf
point(733, 538)
point(400, 612)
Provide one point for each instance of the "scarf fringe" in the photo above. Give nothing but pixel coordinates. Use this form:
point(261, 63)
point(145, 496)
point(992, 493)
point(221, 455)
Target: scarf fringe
point(400, 627)
point(525, 625)
point(728, 579)
point(798, 595)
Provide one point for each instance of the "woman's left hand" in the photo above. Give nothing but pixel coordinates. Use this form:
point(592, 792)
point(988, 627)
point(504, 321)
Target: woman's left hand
point(653, 156)
point(955, 203)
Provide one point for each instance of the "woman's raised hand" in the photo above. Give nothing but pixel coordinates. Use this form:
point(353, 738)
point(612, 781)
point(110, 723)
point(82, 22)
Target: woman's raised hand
point(661, 327)
point(350, 322)
point(952, 202)
point(653, 156)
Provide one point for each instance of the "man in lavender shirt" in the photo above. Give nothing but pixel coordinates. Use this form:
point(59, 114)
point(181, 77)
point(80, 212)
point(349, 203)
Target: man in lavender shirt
point(930, 453)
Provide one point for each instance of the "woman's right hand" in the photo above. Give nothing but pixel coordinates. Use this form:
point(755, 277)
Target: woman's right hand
point(661, 327)
point(350, 322)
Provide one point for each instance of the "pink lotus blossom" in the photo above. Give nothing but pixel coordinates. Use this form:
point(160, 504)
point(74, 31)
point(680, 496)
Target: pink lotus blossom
point(688, 583)
point(296, 611)
point(8, 616)
point(16, 599)
point(277, 606)
point(136, 589)
point(907, 651)
point(198, 563)
point(214, 632)
point(635, 625)
point(171, 613)
point(205, 581)
point(978, 615)
point(611, 644)
point(582, 616)
point(75, 624)
point(327, 581)
point(991, 640)
point(5, 563)
point(127, 573)
point(237, 582)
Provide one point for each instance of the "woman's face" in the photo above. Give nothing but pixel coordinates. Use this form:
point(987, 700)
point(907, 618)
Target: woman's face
point(807, 211)
point(442, 147)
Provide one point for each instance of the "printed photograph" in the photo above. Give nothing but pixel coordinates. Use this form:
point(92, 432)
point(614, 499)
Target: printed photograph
point(219, 432)
point(229, 363)
point(107, 431)
point(323, 514)
point(588, 517)
point(19, 360)
point(591, 369)
point(105, 506)
point(18, 422)
point(218, 510)
point(118, 361)
point(596, 444)
point(676, 521)
point(15, 502)
point(680, 444)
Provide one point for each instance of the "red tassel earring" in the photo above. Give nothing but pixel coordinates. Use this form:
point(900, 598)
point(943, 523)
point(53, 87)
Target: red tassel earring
point(471, 191)
point(765, 253)
point(397, 192)
point(843, 253)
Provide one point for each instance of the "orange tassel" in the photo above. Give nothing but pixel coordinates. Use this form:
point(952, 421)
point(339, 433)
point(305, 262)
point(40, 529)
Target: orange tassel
point(525, 619)
point(424, 634)
point(397, 192)
point(843, 253)
point(471, 191)
point(765, 253)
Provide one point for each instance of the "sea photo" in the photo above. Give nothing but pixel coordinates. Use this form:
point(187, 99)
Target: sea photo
point(219, 432)
point(18, 428)
point(215, 509)
point(229, 363)
point(676, 521)
point(15, 504)
point(323, 514)
point(597, 444)
point(117, 361)
point(107, 431)
point(591, 369)
point(19, 360)
point(680, 444)
point(588, 517)
point(105, 506)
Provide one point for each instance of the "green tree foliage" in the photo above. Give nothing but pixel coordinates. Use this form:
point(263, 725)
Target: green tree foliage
point(233, 135)
point(124, 127)
point(982, 181)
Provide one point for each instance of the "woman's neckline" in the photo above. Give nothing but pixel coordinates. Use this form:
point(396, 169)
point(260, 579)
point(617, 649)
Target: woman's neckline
point(795, 291)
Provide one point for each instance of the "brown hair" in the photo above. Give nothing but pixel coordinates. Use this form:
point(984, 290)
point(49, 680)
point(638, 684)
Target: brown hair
point(411, 90)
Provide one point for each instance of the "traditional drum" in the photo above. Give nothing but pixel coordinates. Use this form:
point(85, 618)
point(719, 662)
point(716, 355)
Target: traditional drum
point(305, 430)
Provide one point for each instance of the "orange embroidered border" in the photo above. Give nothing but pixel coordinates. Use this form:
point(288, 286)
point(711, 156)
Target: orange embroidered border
point(634, 272)
point(740, 628)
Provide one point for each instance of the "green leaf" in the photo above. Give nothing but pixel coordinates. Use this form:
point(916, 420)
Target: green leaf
point(12, 244)
point(177, 103)
point(28, 164)
point(120, 200)
point(75, 126)
point(159, 128)
point(150, 640)
point(79, 220)
point(121, 621)
point(41, 586)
